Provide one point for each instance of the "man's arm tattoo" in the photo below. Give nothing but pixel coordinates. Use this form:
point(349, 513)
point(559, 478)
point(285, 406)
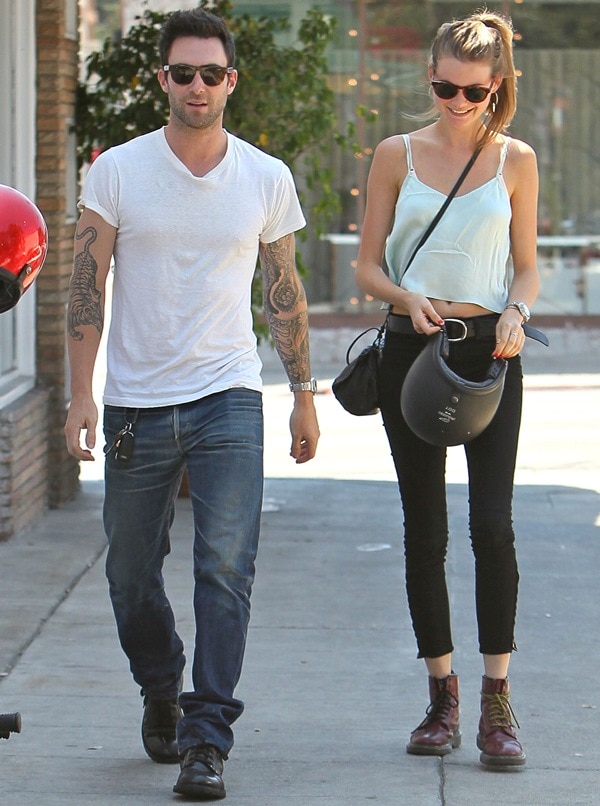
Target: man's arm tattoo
point(285, 307)
point(84, 298)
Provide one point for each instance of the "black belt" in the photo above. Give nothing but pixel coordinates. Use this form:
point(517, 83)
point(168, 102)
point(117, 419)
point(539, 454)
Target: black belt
point(474, 327)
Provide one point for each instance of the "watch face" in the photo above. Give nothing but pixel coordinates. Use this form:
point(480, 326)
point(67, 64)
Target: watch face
point(524, 311)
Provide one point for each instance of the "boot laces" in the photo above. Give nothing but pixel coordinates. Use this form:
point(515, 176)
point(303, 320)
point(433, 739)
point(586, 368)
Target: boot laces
point(439, 709)
point(500, 712)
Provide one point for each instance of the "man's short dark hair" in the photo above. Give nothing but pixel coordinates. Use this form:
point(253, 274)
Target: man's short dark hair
point(196, 22)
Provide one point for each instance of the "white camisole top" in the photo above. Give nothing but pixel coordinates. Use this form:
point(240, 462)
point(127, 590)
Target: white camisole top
point(465, 259)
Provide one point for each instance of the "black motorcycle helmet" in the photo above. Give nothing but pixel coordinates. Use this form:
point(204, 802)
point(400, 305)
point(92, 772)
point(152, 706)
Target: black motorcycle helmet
point(441, 407)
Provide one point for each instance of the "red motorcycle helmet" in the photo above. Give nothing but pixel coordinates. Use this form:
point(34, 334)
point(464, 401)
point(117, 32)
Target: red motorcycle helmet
point(23, 245)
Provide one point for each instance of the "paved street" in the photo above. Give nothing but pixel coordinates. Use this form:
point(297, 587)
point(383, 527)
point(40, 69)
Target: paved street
point(331, 681)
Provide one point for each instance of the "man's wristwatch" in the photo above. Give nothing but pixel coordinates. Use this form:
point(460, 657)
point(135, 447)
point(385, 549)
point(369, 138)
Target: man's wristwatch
point(522, 309)
point(305, 386)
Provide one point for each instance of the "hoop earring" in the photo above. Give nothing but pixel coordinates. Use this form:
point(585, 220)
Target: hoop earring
point(493, 102)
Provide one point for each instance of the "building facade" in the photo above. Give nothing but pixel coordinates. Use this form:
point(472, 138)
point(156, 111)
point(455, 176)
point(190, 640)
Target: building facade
point(39, 56)
point(377, 59)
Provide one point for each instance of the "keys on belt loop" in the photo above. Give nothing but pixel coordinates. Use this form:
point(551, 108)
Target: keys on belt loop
point(458, 322)
point(123, 444)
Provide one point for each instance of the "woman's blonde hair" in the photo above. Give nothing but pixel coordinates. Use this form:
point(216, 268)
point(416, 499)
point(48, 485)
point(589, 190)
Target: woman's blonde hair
point(483, 36)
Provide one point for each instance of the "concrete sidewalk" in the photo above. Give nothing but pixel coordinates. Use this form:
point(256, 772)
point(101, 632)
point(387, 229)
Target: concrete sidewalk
point(331, 683)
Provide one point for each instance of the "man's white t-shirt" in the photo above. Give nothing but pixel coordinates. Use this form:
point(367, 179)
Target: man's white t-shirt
point(185, 256)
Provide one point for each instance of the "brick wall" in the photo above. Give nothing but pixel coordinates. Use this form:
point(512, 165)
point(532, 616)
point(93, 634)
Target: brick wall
point(35, 470)
point(24, 467)
point(57, 81)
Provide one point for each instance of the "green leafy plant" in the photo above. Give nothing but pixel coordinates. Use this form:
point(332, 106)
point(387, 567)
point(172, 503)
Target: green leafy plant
point(283, 103)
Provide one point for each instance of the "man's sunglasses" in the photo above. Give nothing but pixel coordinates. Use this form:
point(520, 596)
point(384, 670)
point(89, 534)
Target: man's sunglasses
point(211, 74)
point(473, 93)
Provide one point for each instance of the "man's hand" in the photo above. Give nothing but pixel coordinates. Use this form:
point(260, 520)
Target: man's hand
point(304, 428)
point(82, 416)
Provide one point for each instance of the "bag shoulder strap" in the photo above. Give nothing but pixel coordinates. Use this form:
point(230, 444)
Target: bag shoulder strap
point(377, 342)
point(444, 206)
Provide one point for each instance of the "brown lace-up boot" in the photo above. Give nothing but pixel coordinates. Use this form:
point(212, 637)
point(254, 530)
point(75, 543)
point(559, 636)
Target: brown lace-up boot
point(439, 732)
point(497, 739)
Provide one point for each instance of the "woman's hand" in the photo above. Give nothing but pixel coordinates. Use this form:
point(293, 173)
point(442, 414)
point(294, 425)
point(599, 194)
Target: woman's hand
point(425, 318)
point(510, 336)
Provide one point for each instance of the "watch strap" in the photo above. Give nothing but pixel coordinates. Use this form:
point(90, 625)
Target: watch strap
point(520, 307)
point(304, 386)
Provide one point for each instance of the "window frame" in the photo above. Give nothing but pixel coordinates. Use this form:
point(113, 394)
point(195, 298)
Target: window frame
point(17, 169)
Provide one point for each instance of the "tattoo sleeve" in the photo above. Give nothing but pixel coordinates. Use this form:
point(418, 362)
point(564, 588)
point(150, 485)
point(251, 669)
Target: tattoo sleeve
point(85, 306)
point(285, 307)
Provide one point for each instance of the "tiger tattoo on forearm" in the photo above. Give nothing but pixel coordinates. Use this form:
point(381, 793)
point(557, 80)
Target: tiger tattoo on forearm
point(84, 298)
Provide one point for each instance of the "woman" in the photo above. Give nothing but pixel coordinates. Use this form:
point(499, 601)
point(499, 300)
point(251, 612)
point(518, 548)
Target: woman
point(461, 272)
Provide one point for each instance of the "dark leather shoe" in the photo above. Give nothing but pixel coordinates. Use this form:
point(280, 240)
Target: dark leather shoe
point(159, 730)
point(201, 775)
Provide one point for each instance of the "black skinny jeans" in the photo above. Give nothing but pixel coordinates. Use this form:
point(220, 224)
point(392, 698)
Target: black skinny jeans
point(421, 469)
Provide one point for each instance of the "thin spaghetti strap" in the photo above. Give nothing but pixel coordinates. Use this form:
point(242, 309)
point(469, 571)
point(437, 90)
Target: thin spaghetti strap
point(503, 154)
point(409, 161)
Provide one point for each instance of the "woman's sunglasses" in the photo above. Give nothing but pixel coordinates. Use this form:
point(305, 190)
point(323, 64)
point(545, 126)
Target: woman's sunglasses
point(473, 93)
point(211, 74)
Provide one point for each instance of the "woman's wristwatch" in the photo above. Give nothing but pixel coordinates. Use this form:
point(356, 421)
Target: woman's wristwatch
point(522, 309)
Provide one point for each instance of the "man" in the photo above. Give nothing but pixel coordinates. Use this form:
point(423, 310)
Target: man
point(184, 211)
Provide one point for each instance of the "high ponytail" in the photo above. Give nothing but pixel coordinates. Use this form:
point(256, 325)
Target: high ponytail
point(483, 36)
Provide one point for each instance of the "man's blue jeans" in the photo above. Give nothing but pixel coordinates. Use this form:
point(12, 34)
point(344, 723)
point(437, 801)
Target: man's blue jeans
point(219, 440)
